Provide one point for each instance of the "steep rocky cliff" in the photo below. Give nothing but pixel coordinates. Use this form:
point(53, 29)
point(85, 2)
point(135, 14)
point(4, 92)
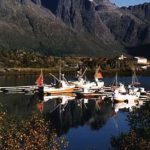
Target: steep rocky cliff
point(128, 26)
point(104, 20)
point(82, 16)
point(141, 11)
point(27, 24)
point(80, 27)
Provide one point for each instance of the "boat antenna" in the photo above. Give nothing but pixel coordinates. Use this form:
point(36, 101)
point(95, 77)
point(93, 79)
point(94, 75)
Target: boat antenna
point(63, 77)
point(134, 79)
point(84, 72)
point(54, 77)
point(116, 79)
point(60, 71)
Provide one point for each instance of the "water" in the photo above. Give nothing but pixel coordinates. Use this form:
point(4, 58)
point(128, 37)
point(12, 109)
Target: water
point(85, 124)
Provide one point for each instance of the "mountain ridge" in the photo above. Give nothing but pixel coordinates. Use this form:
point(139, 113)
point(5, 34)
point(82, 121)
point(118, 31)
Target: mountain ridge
point(71, 27)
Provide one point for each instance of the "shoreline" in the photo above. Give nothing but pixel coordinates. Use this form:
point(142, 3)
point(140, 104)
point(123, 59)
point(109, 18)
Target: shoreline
point(35, 71)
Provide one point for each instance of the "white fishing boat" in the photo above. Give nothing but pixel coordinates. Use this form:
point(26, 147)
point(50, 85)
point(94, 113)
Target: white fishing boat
point(62, 85)
point(83, 83)
point(120, 87)
point(135, 87)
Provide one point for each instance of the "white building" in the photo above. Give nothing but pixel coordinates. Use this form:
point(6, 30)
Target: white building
point(141, 60)
point(122, 57)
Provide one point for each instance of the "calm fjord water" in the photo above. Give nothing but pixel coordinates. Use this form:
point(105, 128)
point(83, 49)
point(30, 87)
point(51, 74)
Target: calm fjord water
point(86, 124)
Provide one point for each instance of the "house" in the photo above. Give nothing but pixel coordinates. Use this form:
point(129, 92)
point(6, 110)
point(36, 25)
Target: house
point(141, 60)
point(122, 57)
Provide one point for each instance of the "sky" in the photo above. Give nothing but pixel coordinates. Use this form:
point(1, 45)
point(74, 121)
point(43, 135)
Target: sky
point(129, 2)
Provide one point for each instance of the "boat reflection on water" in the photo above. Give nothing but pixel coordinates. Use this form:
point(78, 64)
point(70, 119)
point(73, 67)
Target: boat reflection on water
point(48, 103)
point(129, 106)
point(66, 112)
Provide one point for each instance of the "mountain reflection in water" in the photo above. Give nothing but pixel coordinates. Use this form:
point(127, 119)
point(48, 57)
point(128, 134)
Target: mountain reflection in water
point(85, 123)
point(77, 112)
point(68, 116)
point(65, 113)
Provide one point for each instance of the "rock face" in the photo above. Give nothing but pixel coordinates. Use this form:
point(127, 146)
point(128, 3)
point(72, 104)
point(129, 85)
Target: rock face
point(141, 26)
point(81, 15)
point(80, 27)
point(28, 24)
point(103, 20)
point(141, 11)
point(38, 2)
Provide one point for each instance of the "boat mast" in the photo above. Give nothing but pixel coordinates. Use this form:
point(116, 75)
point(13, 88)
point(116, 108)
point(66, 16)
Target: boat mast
point(118, 66)
point(134, 79)
point(84, 72)
point(116, 80)
point(60, 71)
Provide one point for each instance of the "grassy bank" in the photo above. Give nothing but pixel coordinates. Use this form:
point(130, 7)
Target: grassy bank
point(68, 71)
point(30, 62)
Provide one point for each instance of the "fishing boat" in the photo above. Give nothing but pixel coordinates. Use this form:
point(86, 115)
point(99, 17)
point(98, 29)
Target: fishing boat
point(62, 86)
point(120, 87)
point(98, 78)
point(135, 87)
point(83, 83)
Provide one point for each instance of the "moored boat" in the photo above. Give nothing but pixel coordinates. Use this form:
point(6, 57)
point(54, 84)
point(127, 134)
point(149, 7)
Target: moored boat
point(98, 78)
point(83, 83)
point(63, 87)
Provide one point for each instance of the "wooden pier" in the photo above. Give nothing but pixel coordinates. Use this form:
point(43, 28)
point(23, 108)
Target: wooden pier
point(19, 89)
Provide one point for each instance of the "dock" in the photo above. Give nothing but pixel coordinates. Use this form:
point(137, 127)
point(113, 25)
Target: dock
point(19, 89)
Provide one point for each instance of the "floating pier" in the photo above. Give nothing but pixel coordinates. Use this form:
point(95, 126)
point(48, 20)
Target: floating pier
point(19, 89)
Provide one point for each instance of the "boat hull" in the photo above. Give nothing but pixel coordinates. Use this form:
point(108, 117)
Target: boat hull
point(58, 90)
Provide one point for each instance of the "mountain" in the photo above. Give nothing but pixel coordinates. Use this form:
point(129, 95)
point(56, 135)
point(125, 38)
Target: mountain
point(26, 24)
point(104, 20)
point(73, 27)
point(141, 11)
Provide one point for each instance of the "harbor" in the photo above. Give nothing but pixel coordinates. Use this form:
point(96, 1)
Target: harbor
point(71, 113)
point(83, 88)
point(74, 75)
